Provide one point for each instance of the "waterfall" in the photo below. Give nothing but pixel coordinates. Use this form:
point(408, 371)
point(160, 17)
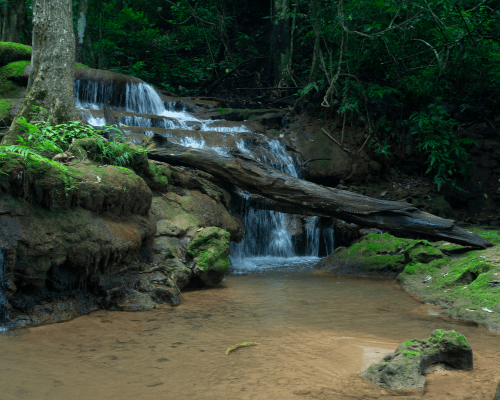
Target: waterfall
point(3, 299)
point(271, 237)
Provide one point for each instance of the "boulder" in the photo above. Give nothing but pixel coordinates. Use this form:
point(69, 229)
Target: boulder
point(375, 254)
point(210, 252)
point(403, 369)
point(136, 301)
point(422, 251)
point(10, 52)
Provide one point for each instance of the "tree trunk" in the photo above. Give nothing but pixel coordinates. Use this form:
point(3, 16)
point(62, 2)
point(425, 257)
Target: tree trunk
point(397, 217)
point(81, 30)
point(314, 10)
point(280, 41)
point(13, 20)
point(52, 66)
point(316, 23)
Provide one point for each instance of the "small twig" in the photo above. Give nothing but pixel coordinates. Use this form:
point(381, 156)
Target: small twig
point(315, 159)
point(343, 148)
point(180, 294)
point(271, 88)
point(343, 127)
point(364, 144)
point(239, 346)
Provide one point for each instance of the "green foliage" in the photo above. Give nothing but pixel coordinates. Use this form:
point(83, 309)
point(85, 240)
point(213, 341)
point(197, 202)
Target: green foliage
point(63, 134)
point(434, 135)
point(115, 150)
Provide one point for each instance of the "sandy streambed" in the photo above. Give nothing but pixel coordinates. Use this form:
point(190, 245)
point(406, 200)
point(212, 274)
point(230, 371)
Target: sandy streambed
point(316, 332)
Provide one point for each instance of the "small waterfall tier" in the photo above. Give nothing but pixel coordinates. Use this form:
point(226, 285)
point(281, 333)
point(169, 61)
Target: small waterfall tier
point(272, 238)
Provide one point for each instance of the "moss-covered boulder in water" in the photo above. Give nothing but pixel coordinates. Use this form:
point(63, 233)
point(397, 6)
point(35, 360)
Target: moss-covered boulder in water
point(10, 52)
point(403, 369)
point(375, 254)
point(210, 250)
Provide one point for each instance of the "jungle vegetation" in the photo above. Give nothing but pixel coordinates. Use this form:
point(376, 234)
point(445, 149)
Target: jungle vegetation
point(417, 67)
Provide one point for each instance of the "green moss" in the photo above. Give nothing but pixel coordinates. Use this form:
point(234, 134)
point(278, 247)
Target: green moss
point(210, 248)
point(13, 69)
point(431, 267)
point(5, 107)
point(10, 52)
point(81, 65)
point(491, 235)
point(377, 251)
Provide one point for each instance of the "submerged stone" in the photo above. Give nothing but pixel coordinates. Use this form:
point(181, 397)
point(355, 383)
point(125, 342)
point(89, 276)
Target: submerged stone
point(403, 369)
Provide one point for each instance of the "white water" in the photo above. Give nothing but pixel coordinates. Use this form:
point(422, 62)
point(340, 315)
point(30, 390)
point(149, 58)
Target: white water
point(268, 241)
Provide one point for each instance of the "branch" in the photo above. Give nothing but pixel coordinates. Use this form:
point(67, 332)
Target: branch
point(189, 12)
point(343, 148)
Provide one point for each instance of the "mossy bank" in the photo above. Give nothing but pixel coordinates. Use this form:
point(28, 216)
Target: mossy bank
point(462, 281)
point(79, 233)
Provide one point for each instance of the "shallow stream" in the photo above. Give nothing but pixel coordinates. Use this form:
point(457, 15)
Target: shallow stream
point(316, 331)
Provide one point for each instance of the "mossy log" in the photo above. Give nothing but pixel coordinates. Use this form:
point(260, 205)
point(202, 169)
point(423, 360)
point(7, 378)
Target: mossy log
point(398, 217)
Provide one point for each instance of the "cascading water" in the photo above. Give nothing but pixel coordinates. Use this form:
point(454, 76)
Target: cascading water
point(269, 240)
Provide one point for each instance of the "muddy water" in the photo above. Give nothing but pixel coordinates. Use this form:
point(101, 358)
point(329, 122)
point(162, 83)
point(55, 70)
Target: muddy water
point(315, 333)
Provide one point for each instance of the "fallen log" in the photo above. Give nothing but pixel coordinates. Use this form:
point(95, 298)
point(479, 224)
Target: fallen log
point(397, 217)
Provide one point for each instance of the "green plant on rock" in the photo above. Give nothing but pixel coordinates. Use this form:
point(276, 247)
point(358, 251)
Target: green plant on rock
point(29, 148)
point(115, 150)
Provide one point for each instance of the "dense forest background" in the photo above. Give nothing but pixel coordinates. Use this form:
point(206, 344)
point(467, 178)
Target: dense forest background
point(403, 67)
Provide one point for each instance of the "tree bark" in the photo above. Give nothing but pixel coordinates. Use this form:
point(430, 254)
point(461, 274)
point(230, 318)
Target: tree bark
point(280, 41)
point(397, 217)
point(81, 30)
point(52, 66)
point(314, 10)
point(13, 21)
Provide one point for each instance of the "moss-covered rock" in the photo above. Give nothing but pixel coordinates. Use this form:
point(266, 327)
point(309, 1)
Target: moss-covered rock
point(10, 52)
point(422, 251)
point(403, 369)
point(103, 152)
point(54, 186)
point(9, 73)
point(374, 254)
point(497, 393)
point(159, 176)
point(464, 285)
point(463, 281)
point(210, 249)
point(5, 107)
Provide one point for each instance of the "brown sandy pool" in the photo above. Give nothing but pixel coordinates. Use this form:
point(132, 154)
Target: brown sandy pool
point(316, 333)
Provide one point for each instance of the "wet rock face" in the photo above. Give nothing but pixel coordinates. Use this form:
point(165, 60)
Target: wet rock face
point(113, 84)
point(403, 369)
point(112, 244)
